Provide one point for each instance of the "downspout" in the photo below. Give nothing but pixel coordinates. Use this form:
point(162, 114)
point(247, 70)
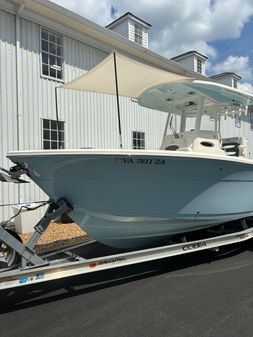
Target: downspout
point(17, 23)
point(18, 69)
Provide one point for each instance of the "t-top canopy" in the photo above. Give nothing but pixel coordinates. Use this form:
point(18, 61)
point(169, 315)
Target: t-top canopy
point(188, 97)
point(133, 77)
point(159, 89)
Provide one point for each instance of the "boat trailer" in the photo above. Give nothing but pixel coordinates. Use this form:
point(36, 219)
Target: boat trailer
point(32, 268)
point(20, 265)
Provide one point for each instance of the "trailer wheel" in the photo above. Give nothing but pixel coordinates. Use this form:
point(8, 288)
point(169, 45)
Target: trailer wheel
point(8, 256)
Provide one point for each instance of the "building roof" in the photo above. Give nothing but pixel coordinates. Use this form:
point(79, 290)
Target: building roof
point(129, 15)
point(184, 55)
point(226, 74)
point(93, 34)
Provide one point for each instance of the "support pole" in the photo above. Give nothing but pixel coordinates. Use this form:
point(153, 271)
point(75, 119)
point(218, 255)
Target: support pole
point(166, 126)
point(198, 117)
point(117, 97)
point(183, 121)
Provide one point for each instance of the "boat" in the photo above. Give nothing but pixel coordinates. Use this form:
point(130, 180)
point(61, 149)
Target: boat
point(129, 198)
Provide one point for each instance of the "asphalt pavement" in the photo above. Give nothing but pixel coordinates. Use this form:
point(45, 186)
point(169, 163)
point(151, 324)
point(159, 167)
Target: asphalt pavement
point(198, 295)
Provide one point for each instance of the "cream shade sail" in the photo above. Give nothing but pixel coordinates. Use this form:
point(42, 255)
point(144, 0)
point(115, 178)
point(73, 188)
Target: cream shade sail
point(133, 77)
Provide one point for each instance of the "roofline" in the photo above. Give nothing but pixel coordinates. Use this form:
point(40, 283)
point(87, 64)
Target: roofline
point(92, 31)
point(125, 15)
point(189, 53)
point(224, 75)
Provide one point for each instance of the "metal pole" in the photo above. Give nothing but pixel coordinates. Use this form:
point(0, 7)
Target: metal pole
point(198, 117)
point(117, 97)
point(166, 125)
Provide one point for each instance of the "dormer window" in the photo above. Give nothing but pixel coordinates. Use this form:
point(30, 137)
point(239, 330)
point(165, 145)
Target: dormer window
point(229, 79)
point(132, 28)
point(199, 66)
point(138, 34)
point(193, 60)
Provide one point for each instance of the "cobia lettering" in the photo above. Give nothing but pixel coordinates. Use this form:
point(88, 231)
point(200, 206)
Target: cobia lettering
point(196, 245)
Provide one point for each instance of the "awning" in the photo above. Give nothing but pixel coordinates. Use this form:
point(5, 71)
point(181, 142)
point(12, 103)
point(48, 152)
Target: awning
point(133, 77)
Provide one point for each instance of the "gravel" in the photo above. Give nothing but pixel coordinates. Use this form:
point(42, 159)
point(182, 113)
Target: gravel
point(58, 236)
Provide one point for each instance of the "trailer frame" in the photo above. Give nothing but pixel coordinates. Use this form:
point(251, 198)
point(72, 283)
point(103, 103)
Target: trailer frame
point(71, 264)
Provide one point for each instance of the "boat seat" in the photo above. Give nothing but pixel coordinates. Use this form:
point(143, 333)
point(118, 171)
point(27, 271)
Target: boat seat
point(184, 140)
point(207, 145)
point(235, 146)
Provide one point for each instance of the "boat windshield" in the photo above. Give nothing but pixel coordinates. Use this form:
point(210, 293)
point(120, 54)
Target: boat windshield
point(202, 133)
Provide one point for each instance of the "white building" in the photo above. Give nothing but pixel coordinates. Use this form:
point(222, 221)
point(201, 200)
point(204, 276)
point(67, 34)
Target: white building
point(230, 79)
point(43, 45)
point(192, 60)
point(197, 62)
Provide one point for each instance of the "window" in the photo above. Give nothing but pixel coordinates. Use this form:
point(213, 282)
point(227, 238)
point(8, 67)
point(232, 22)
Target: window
point(138, 34)
point(53, 138)
point(138, 140)
point(238, 121)
point(51, 54)
point(235, 83)
point(199, 66)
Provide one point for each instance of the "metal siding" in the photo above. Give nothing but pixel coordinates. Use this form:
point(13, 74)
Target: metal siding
point(122, 28)
point(131, 31)
point(88, 116)
point(145, 38)
point(136, 118)
point(225, 81)
point(8, 105)
point(36, 99)
point(187, 62)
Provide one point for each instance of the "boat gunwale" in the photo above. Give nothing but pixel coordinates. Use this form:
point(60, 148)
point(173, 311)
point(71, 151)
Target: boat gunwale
point(130, 153)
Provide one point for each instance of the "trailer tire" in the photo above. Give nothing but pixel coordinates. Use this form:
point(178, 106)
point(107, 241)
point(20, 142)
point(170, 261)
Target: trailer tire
point(11, 256)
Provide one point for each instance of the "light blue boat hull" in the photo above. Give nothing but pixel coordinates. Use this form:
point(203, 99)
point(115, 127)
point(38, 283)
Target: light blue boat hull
point(130, 201)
